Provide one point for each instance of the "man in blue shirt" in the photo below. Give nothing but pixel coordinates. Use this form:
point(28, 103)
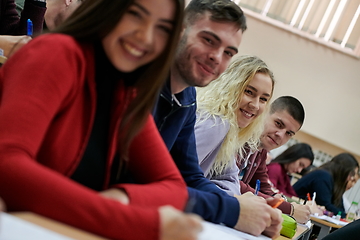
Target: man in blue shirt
point(211, 36)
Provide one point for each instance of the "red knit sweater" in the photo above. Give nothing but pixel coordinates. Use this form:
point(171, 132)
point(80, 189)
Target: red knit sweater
point(47, 109)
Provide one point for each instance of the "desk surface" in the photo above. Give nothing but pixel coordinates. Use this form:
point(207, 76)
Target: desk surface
point(58, 227)
point(75, 233)
point(326, 223)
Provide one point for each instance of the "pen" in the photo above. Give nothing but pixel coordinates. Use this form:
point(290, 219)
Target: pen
point(278, 203)
point(29, 28)
point(313, 200)
point(257, 187)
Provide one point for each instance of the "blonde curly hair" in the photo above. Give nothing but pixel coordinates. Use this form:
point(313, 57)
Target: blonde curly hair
point(221, 98)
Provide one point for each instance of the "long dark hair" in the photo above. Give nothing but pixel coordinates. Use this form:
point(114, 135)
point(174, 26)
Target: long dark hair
point(340, 167)
point(90, 23)
point(295, 152)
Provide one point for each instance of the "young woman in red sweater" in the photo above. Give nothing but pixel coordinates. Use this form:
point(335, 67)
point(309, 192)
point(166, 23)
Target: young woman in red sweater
point(77, 141)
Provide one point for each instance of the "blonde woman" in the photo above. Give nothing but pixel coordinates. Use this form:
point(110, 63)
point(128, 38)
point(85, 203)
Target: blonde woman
point(230, 114)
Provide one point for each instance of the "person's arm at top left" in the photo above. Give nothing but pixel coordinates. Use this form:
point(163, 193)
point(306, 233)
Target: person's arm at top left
point(10, 44)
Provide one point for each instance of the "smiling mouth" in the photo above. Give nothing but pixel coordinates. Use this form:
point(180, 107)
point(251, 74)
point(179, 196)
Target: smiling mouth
point(247, 114)
point(273, 140)
point(207, 69)
point(132, 50)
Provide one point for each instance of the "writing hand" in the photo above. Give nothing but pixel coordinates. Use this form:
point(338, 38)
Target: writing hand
point(176, 225)
point(256, 216)
point(10, 44)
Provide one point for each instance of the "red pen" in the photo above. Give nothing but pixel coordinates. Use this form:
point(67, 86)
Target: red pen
point(308, 196)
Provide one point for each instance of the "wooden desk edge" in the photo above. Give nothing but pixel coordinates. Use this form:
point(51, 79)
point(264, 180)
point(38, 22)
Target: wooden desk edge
point(326, 223)
point(56, 226)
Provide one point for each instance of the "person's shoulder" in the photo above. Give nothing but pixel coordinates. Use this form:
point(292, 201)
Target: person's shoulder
point(318, 173)
point(274, 166)
point(190, 93)
point(58, 44)
point(56, 38)
point(212, 121)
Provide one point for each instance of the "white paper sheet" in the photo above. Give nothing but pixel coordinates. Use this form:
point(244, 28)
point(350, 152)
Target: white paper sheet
point(330, 219)
point(215, 232)
point(14, 228)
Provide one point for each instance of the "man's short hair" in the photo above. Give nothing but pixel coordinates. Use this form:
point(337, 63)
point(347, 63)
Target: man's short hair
point(291, 105)
point(220, 10)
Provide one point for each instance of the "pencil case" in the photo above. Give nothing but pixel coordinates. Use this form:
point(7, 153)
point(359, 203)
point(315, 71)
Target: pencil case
point(288, 226)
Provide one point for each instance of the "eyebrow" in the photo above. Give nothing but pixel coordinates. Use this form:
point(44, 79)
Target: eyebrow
point(148, 13)
point(253, 88)
point(283, 125)
point(218, 39)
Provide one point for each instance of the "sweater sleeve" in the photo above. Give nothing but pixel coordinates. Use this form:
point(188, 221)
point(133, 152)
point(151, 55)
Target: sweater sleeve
point(261, 173)
point(274, 172)
point(228, 180)
point(30, 100)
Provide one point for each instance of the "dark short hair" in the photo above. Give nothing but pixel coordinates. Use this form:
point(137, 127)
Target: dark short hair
point(291, 105)
point(220, 10)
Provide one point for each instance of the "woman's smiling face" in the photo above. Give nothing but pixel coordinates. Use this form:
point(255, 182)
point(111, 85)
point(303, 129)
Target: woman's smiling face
point(141, 34)
point(254, 100)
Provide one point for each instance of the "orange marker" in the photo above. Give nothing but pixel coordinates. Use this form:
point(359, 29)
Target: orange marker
point(308, 196)
point(278, 203)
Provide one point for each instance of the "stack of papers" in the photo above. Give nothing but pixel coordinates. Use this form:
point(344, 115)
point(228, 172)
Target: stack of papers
point(330, 219)
point(213, 231)
point(14, 228)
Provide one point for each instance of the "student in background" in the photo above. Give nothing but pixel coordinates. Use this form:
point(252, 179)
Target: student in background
point(71, 133)
point(292, 160)
point(329, 182)
point(13, 29)
point(226, 122)
point(349, 232)
point(13, 24)
point(230, 113)
point(211, 36)
point(58, 10)
point(285, 118)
